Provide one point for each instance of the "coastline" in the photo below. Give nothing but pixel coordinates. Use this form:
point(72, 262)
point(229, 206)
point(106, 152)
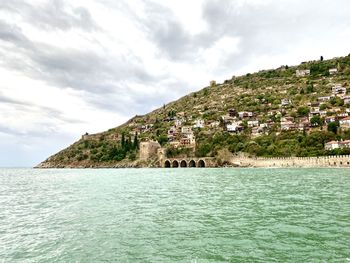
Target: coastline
point(337, 161)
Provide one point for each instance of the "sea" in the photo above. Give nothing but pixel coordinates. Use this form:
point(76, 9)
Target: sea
point(175, 215)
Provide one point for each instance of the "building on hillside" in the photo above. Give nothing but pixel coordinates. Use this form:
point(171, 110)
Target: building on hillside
point(232, 112)
point(234, 127)
point(188, 140)
point(245, 114)
point(323, 113)
point(333, 71)
point(178, 122)
point(342, 115)
point(331, 145)
point(304, 125)
point(148, 149)
point(288, 125)
point(344, 123)
point(285, 102)
point(214, 124)
point(338, 90)
point(302, 72)
point(324, 98)
point(346, 100)
point(186, 130)
point(198, 123)
point(330, 119)
point(254, 123)
point(172, 131)
point(228, 119)
point(337, 145)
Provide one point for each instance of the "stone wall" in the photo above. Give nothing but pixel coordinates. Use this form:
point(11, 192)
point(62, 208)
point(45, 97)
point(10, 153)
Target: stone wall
point(323, 161)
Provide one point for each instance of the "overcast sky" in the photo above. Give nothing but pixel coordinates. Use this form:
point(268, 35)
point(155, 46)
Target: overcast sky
point(70, 67)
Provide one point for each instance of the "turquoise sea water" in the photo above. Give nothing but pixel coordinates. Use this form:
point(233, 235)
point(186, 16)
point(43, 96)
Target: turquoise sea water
point(175, 215)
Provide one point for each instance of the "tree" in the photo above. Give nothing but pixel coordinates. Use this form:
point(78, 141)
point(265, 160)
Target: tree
point(123, 140)
point(303, 111)
point(136, 142)
point(333, 127)
point(316, 121)
point(321, 58)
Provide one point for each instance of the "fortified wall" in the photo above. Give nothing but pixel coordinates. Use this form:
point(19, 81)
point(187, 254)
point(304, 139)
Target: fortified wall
point(322, 161)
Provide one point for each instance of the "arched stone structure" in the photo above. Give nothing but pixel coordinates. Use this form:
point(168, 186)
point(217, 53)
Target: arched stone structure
point(183, 163)
point(192, 163)
point(175, 164)
point(167, 164)
point(201, 163)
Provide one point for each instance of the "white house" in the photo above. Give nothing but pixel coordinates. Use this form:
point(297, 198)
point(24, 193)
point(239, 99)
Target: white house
point(186, 130)
point(253, 123)
point(287, 125)
point(324, 98)
point(338, 90)
point(345, 123)
point(302, 72)
point(198, 123)
point(331, 145)
point(234, 127)
point(285, 102)
point(245, 114)
point(333, 71)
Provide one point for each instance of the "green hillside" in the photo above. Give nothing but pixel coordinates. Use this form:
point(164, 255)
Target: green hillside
point(269, 113)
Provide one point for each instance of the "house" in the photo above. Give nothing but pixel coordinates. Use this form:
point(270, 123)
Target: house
point(323, 113)
point(178, 122)
point(333, 71)
point(345, 123)
point(188, 140)
point(330, 119)
point(314, 113)
point(172, 131)
point(304, 125)
point(302, 72)
point(287, 125)
point(342, 115)
point(232, 112)
point(285, 102)
point(313, 104)
point(338, 90)
point(337, 144)
point(344, 144)
point(227, 118)
point(186, 130)
point(234, 127)
point(324, 98)
point(198, 123)
point(331, 145)
point(346, 99)
point(245, 114)
point(253, 124)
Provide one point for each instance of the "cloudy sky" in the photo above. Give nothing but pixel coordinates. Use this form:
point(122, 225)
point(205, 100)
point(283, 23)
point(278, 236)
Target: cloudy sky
point(70, 67)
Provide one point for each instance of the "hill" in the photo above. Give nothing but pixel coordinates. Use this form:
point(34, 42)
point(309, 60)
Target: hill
point(283, 112)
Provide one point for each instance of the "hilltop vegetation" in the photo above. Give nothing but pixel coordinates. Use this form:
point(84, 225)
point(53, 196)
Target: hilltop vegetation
point(269, 113)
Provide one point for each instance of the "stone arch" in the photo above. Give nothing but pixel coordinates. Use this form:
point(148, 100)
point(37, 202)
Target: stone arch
point(192, 163)
point(167, 164)
point(175, 164)
point(183, 163)
point(201, 163)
